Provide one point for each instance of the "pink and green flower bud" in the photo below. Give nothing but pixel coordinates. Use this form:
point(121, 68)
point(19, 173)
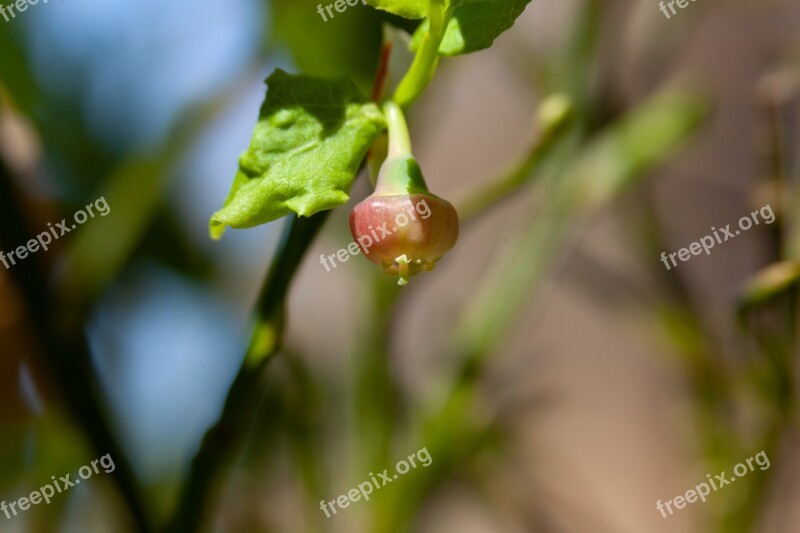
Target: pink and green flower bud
point(402, 226)
point(404, 233)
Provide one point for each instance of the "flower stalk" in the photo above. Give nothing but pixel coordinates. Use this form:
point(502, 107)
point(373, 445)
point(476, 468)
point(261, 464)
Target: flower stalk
point(423, 68)
point(416, 227)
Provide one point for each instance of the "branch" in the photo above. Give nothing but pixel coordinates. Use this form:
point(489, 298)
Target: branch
point(66, 352)
point(222, 441)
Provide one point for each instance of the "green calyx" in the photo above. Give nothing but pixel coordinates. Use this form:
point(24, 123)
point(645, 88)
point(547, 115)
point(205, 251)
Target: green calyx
point(400, 175)
point(400, 172)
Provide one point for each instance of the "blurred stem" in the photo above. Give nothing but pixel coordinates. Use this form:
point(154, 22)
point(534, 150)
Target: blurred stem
point(615, 159)
point(769, 311)
point(379, 149)
point(708, 381)
point(779, 93)
point(772, 323)
point(377, 391)
point(382, 73)
point(580, 62)
point(135, 191)
point(221, 441)
point(377, 400)
point(555, 118)
point(452, 436)
point(303, 418)
point(66, 351)
point(447, 432)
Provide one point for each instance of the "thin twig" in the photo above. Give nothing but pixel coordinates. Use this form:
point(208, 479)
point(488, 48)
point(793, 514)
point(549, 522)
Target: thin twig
point(66, 352)
point(222, 441)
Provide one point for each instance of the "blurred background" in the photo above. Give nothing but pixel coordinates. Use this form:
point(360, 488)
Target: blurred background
point(560, 377)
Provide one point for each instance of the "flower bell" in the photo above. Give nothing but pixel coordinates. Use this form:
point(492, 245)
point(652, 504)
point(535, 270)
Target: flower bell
point(402, 226)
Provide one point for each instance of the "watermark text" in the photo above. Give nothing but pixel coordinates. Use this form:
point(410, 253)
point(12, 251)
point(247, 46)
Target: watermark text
point(62, 484)
point(376, 482)
point(717, 236)
point(61, 228)
point(702, 490)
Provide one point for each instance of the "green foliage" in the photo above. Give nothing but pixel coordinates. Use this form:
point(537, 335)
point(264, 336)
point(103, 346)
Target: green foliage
point(16, 74)
point(306, 149)
point(348, 45)
point(475, 25)
point(410, 9)
point(313, 133)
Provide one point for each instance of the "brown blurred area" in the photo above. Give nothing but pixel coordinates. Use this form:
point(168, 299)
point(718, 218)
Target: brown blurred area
point(618, 384)
point(595, 396)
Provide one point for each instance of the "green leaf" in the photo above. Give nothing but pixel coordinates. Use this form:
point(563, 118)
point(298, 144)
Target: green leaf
point(347, 45)
point(311, 137)
point(410, 9)
point(475, 25)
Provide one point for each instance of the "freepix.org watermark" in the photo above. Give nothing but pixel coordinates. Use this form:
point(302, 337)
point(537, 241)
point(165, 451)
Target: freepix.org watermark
point(683, 4)
point(44, 238)
point(57, 487)
point(702, 490)
point(376, 235)
point(718, 236)
point(377, 482)
point(20, 6)
point(339, 5)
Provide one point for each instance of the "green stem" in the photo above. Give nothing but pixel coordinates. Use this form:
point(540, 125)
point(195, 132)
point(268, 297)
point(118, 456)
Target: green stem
point(222, 440)
point(66, 352)
point(555, 119)
point(423, 68)
point(399, 139)
point(400, 173)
